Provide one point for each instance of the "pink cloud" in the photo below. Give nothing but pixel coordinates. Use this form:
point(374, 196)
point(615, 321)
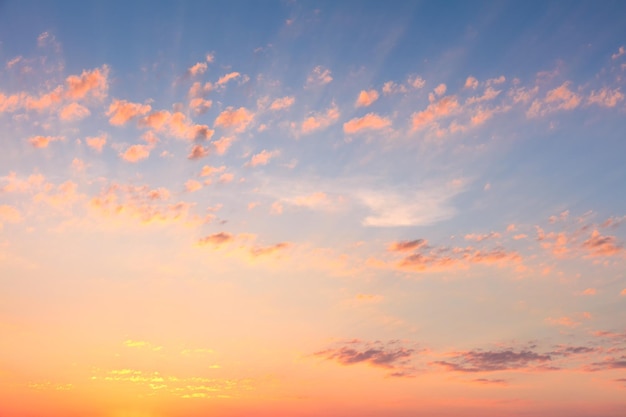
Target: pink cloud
point(227, 77)
point(269, 250)
point(599, 245)
point(562, 321)
point(94, 83)
point(238, 119)
point(417, 82)
point(136, 153)
point(370, 121)
point(471, 82)
point(96, 142)
point(217, 239)
point(192, 186)
point(489, 94)
point(481, 237)
point(391, 87)
point(606, 97)
point(226, 178)
point(560, 98)
point(262, 158)
point(222, 144)
point(589, 291)
point(282, 103)
point(197, 69)
point(73, 111)
point(366, 98)
point(319, 76)
point(209, 170)
point(407, 245)
point(318, 121)
point(177, 125)
point(45, 101)
point(197, 152)
point(440, 89)
point(200, 105)
point(621, 51)
point(44, 141)
point(277, 208)
point(9, 214)
point(121, 111)
point(623, 292)
point(198, 90)
point(436, 110)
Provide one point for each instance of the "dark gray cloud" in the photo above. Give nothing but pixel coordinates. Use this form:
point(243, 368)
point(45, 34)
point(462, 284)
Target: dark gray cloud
point(504, 360)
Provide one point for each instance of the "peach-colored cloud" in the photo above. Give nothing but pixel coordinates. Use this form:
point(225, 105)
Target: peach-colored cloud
point(44, 141)
point(489, 94)
point(313, 200)
point(560, 218)
point(562, 321)
point(416, 81)
point(121, 111)
point(589, 291)
point(209, 170)
point(282, 103)
point(237, 119)
point(599, 245)
point(11, 63)
point(557, 243)
point(440, 90)
point(197, 152)
point(14, 184)
point(269, 250)
point(277, 208)
point(73, 111)
point(319, 76)
point(197, 90)
point(471, 82)
point(177, 125)
point(623, 292)
point(560, 98)
point(317, 121)
point(78, 165)
point(523, 94)
point(200, 105)
point(262, 158)
point(407, 245)
point(391, 87)
point(197, 69)
point(217, 239)
point(370, 121)
point(192, 186)
point(94, 83)
point(96, 142)
point(136, 153)
point(366, 98)
point(494, 81)
point(226, 178)
point(436, 110)
point(45, 101)
point(606, 97)
point(227, 77)
point(480, 237)
point(222, 144)
point(9, 214)
point(520, 236)
point(11, 103)
point(621, 51)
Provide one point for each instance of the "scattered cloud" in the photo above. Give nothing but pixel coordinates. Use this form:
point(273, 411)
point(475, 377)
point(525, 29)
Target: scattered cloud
point(606, 97)
point(318, 121)
point(491, 361)
point(366, 98)
point(282, 103)
point(370, 121)
point(44, 141)
point(226, 78)
point(197, 69)
point(262, 158)
point(471, 82)
point(318, 77)
point(436, 110)
point(73, 111)
point(237, 119)
point(122, 111)
point(621, 51)
point(136, 153)
point(96, 142)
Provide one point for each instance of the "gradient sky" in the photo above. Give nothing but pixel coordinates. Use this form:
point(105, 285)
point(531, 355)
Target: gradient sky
point(312, 208)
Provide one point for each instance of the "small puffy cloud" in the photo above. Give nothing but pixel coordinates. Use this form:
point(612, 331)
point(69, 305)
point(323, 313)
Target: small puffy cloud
point(197, 152)
point(560, 218)
point(589, 291)
point(262, 158)
point(480, 237)
point(192, 186)
point(562, 321)
point(268, 250)
point(78, 165)
point(471, 82)
point(44, 141)
point(495, 81)
point(11, 63)
point(227, 77)
point(96, 142)
point(318, 77)
point(317, 121)
point(121, 111)
point(599, 245)
point(90, 83)
point(621, 51)
point(282, 103)
point(237, 119)
point(560, 98)
point(370, 121)
point(277, 208)
point(208, 170)
point(391, 87)
point(197, 69)
point(200, 105)
point(440, 90)
point(73, 111)
point(436, 110)
point(366, 98)
point(222, 144)
point(407, 245)
point(177, 125)
point(197, 90)
point(217, 239)
point(606, 97)
point(417, 82)
point(136, 153)
point(226, 178)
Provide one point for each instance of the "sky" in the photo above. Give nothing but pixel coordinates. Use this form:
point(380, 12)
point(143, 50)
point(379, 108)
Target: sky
point(288, 208)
